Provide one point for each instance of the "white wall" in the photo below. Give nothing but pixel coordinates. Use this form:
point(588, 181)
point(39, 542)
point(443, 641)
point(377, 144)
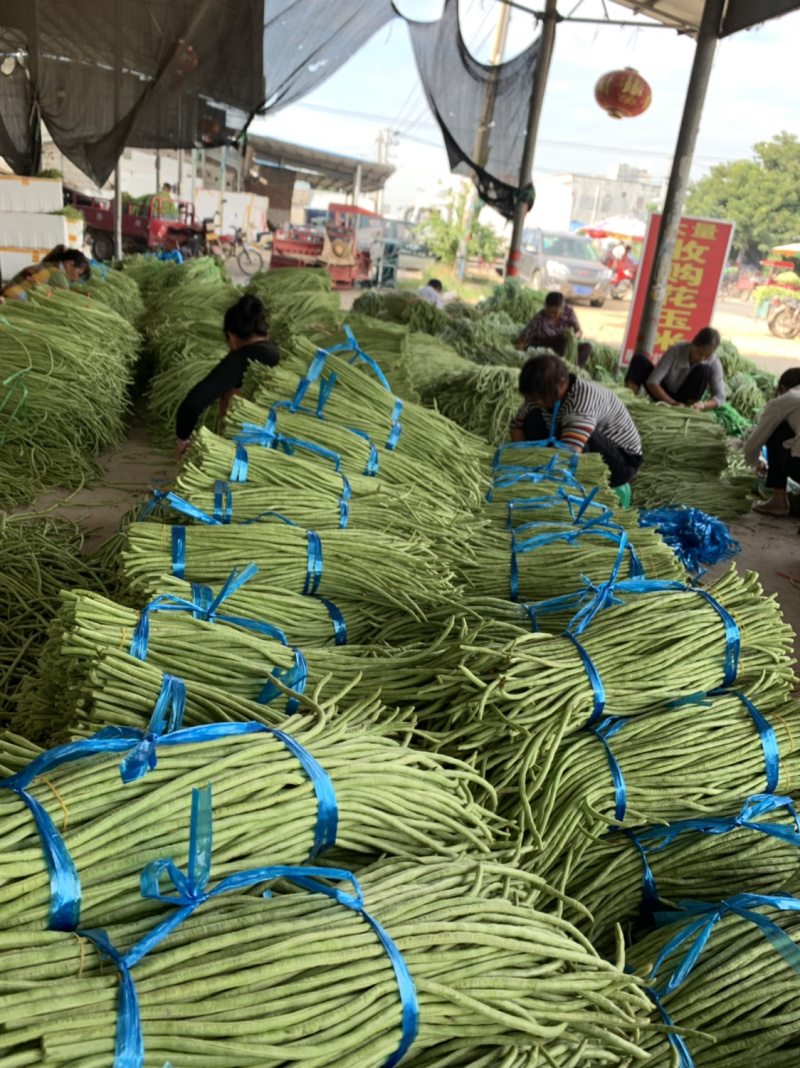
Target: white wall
point(552, 208)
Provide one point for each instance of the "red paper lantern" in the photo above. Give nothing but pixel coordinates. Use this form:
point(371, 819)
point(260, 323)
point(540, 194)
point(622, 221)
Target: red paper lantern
point(623, 93)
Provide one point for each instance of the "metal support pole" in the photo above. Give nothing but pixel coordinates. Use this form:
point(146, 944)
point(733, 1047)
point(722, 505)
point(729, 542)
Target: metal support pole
point(546, 46)
point(158, 170)
point(118, 210)
point(194, 173)
point(707, 37)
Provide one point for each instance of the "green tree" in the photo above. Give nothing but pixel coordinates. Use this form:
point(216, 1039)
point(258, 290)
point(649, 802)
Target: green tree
point(761, 195)
point(443, 232)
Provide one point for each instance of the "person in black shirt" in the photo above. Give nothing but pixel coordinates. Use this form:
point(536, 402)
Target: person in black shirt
point(245, 328)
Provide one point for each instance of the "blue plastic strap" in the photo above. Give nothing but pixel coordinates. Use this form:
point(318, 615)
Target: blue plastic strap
point(315, 369)
point(707, 916)
point(754, 806)
point(205, 606)
point(551, 535)
point(179, 551)
point(550, 442)
point(167, 718)
point(373, 462)
point(339, 625)
point(769, 743)
point(240, 464)
point(697, 539)
point(344, 503)
point(355, 348)
point(596, 682)
point(223, 513)
point(605, 730)
point(293, 678)
point(684, 1057)
point(314, 568)
point(259, 435)
point(191, 892)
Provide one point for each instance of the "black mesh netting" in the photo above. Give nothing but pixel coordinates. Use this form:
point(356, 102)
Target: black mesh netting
point(456, 86)
point(190, 72)
point(305, 41)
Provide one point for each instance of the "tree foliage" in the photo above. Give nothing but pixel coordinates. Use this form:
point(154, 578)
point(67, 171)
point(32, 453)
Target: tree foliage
point(442, 233)
point(761, 195)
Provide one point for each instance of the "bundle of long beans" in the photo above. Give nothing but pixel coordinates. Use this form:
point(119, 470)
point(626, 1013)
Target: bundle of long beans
point(392, 347)
point(654, 649)
point(274, 286)
point(459, 479)
point(357, 398)
point(396, 510)
point(674, 762)
point(39, 556)
point(309, 312)
point(724, 497)
point(482, 400)
point(16, 752)
point(384, 570)
point(703, 858)
point(65, 367)
point(739, 1004)
point(523, 458)
point(550, 569)
point(390, 799)
point(505, 973)
point(235, 658)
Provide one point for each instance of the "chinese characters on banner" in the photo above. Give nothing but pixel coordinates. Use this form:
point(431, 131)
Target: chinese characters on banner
point(695, 276)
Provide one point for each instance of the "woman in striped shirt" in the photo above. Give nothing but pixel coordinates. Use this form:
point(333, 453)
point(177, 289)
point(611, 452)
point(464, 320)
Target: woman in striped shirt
point(587, 417)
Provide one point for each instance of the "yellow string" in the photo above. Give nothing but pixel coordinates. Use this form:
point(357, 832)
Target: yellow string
point(60, 801)
point(83, 953)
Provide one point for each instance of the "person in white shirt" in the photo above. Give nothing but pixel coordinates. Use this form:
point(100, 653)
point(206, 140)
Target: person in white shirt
point(432, 293)
point(778, 430)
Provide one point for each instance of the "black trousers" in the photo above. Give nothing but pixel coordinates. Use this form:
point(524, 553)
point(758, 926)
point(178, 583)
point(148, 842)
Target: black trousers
point(782, 465)
point(690, 392)
point(622, 465)
point(558, 345)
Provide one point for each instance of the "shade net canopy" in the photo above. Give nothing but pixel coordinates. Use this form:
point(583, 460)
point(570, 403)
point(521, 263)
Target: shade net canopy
point(103, 74)
point(461, 92)
point(686, 14)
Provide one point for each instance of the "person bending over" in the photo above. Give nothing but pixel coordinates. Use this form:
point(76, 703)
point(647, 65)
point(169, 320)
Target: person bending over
point(588, 417)
point(684, 373)
point(547, 329)
point(61, 268)
point(245, 329)
point(778, 430)
point(432, 293)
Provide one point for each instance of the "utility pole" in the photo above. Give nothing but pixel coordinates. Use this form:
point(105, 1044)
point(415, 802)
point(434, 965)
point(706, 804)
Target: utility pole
point(546, 45)
point(707, 37)
point(480, 152)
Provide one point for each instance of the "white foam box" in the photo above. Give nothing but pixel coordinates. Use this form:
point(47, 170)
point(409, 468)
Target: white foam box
point(25, 230)
point(30, 194)
point(13, 260)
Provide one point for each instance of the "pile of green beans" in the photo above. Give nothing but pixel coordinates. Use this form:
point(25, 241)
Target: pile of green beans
point(272, 287)
point(738, 1006)
point(391, 800)
point(67, 363)
point(16, 752)
point(458, 479)
point(39, 556)
point(300, 978)
point(607, 877)
point(117, 290)
point(482, 400)
point(401, 573)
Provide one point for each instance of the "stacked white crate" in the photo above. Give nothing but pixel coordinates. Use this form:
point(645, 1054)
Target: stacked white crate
point(27, 229)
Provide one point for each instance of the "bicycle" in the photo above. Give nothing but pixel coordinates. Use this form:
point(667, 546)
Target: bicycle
point(249, 258)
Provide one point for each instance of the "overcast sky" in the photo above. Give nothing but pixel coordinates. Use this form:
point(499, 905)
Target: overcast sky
point(752, 96)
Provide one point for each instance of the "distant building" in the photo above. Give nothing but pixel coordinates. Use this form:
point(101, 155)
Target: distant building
point(562, 199)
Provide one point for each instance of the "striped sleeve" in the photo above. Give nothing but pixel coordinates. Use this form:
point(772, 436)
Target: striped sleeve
point(589, 407)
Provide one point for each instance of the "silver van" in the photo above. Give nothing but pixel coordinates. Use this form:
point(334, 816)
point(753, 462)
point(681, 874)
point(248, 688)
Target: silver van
point(565, 262)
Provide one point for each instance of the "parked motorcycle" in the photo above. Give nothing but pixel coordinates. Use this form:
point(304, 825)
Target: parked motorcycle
point(622, 280)
point(784, 319)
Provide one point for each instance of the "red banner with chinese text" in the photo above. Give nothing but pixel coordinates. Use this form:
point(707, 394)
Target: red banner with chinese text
point(695, 277)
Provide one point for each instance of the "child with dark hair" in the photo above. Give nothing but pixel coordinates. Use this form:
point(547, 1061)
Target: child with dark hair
point(547, 329)
point(60, 268)
point(684, 373)
point(245, 329)
point(778, 430)
point(584, 416)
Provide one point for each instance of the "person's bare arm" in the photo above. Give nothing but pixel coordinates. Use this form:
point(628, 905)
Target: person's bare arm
point(517, 434)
